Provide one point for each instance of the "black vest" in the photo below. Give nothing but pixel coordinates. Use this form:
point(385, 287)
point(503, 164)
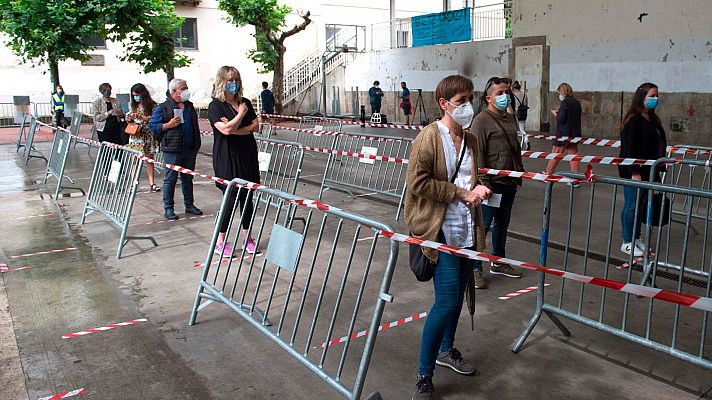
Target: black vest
point(172, 139)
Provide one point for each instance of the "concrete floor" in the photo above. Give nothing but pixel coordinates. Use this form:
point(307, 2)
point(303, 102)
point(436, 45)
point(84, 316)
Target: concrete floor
point(223, 357)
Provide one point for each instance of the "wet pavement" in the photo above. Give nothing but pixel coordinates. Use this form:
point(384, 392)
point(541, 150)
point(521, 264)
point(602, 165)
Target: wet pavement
point(223, 357)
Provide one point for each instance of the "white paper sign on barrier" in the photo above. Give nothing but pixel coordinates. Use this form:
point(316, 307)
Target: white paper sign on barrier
point(114, 171)
point(59, 147)
point(373, 151)
point(318, 128)
point(263, 159)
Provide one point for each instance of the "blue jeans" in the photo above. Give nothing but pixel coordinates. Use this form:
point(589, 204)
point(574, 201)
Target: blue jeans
point(498, 219)
point(185, 160)
point(450, 281)
point(630, 227)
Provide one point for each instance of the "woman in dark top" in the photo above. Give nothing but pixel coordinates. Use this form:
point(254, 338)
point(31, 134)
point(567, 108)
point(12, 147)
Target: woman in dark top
point(234, 150)
point(568, 123)
point(642, 137)
point(107, 113)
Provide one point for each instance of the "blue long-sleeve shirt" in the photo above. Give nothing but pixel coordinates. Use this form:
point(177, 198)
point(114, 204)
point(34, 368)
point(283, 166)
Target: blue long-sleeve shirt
point(155, 125)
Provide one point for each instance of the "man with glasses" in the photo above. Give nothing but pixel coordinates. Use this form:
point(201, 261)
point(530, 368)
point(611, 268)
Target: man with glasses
point(497, 148)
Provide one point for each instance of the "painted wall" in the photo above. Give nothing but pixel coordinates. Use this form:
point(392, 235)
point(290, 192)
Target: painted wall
point(421, 68)
point(668, 43)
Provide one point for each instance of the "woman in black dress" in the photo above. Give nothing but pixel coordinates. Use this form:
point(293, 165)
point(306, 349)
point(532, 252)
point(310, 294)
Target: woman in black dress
point(234, 150)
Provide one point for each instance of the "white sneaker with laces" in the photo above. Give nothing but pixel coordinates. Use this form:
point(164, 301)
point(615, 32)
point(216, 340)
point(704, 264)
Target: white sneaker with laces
point(627, 248)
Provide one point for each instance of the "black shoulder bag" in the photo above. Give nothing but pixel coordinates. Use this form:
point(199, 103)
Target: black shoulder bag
point(419, 263)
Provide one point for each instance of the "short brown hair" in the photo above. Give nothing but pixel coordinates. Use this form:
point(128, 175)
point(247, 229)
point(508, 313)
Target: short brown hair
point(104, 86)
point(565, 89)
point(452, 85)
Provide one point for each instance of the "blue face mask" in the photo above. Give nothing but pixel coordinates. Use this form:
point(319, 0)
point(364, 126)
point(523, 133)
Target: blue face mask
point(232, 87)
point(137, 99)
point(106, 93)
point(651, 103)
point(501, 102)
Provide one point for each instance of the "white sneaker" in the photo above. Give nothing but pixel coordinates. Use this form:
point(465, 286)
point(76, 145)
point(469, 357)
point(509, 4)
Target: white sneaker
point(628, 247)
point(639, 243)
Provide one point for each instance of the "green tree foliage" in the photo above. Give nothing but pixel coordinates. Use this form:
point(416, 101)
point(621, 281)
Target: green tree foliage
point(269, 20)
point(48, 32)
point(147, 29)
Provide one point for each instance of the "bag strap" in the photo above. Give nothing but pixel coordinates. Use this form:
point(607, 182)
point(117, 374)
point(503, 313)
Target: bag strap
point(512, 147)
point(462, 155)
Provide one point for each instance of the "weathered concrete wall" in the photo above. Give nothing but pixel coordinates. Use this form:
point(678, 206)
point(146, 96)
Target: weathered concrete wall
point(606, 48)
point(422, 68)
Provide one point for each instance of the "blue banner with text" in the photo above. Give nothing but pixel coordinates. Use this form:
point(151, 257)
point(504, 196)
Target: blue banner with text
point(440, 28)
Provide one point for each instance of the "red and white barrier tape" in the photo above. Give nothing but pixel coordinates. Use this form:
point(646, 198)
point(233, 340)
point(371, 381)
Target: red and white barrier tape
point(636, 260)
point(347, 122)
point(684, 299)
point(383, 327)
point(527, 175)
point(397, 160)
point(4, 268)
point(521, 292)
point(104, 328)
point(227, 260)
point(65, 395)
point(318, 132)
point(586, 159)
point(579, 140)
point(39, 253)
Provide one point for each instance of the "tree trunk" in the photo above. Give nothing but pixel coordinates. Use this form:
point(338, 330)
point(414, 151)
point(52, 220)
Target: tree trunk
point(278, 81)
point(170, 74)
point(54, 74)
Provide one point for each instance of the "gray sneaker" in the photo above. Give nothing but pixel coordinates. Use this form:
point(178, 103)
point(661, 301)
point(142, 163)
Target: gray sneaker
point(453, 360)
point(480, 282)
point(424, 388)
point(506, 270)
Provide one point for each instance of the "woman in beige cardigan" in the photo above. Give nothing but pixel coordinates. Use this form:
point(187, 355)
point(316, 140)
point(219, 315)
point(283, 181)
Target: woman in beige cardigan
point(442, 204)
point(107, 116)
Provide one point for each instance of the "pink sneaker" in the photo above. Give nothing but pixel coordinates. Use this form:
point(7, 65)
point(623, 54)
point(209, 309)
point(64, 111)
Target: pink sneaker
point(223, 248)
point(251, 246)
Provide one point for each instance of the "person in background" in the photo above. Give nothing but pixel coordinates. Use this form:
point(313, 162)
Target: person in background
point(267, 99)
point(234, 151)
point(568, 123)
point(642, 137)
point(521, 107)
point(497, 147)
point(174, 124)
point(107, 116)
point(58, 106)
point(405, 102)
point(375, 95)
point(443, 204)
point(510, 93)
point(142, 106)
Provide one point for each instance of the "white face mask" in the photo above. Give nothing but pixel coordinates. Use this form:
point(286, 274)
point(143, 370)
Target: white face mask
point(184, 95)
point(562, 97)
point(463, 114)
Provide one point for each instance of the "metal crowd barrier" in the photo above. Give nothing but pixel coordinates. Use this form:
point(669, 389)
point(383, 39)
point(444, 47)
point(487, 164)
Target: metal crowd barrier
point(692, 175)
point(58, 160)
point(697, 211)
point(665, 327)
point(22, 138)
point(280, 164)
point(385, 178)
point(7, 115)
point(314, 284)
point(29, 147)
point(75, 127)
point(265, 130)
point(112, 189)
point(316, 139)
